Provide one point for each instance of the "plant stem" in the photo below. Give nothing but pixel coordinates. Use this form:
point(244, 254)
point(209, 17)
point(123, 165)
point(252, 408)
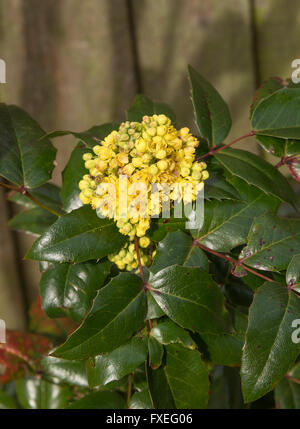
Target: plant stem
point(25, 192)
point(218, 149)
point(286, 160)
point(129, 389)
point(232, 260)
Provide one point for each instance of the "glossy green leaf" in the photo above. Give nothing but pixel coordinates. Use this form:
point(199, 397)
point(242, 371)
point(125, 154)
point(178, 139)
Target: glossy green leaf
point(141, 401)
point(269, 350)
point(190, 298)
point(159, 389)
point(156, 352)
point(227, 223)
point(277, 115)
point(99, 401)
point(77, 237)
point(67, 371)
point(24, 159)
point(293, 273)
point(154, 310)
point(118, 363)
point(118, 311)
point(217, 187)
point(40, 394)
point(169, 333)
point(184, 368)
point(266, 88)
point(161, 227)
point(258, 172)
point(279, 147)
point(34, 221)
point(211, 112)
point(68, 290)
point(272, 242)
point(178, 248)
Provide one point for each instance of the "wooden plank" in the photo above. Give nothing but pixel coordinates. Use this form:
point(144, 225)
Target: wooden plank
point(213, 36)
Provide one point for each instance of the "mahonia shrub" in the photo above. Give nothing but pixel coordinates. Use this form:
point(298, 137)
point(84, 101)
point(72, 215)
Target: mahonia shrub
point(139, 311)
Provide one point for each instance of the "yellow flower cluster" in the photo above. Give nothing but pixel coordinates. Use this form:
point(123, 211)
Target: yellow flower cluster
point(148, 152)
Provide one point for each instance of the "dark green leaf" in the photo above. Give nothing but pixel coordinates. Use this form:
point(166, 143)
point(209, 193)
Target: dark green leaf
point(141, 401)
point(34, 221)
point(68, 290)
point(6, 401)
point(277, 115)
point(271, 243)
point(279, 147)
point(24, 159)
point(40, 394)
point(266, 88)
point(256, 171)
point(77, 237)
point(118, 363)
point(159, 389)
point(225, 391)
point(178, 247)
point(212, 114)
point(70, 372)
point(287, 395)
point(187, 377)
point(216, 187)
point(99, 401)
point(269, 350)
point(119, 310)
point(190, 298)
point(169, 333)
point(227, 223)
point(160, 227)
point(154, 310)
point(156, 352)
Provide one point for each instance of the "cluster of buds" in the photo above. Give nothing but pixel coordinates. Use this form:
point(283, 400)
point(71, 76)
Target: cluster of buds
point(149, 152)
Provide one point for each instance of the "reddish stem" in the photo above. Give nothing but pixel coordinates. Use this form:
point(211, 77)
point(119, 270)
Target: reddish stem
point(218, 149)
point(232, 260)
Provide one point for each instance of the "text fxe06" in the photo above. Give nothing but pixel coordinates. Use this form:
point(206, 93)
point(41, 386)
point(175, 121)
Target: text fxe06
point(177, 200)
point(2, 331)
point(296, 332)
point(148, 417)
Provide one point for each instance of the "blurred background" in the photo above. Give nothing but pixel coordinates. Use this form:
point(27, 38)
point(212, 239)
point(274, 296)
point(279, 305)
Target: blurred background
point(73, 64)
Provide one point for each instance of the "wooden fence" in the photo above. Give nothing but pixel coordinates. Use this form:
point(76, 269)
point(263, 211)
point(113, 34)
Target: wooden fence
point(75, 63)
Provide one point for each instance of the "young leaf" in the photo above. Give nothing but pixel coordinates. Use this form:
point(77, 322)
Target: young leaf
point(176, 290)
point(256, 171)
point(277, 115)
point(34, 221)
point(68, 290)
point(169, 333)
point(77, 237)
point(119, 310)
point(269, 350)
point(40, 394)
point(118, 363)
point(24, 159)
point(212, 114)
point(271, 243)
point(178, 247)
point(99, 401)
point(70, 372)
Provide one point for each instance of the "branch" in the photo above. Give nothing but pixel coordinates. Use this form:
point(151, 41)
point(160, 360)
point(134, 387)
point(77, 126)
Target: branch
point(218, 149)
point(22, 190)
point(129, 389)
point(232, 260)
